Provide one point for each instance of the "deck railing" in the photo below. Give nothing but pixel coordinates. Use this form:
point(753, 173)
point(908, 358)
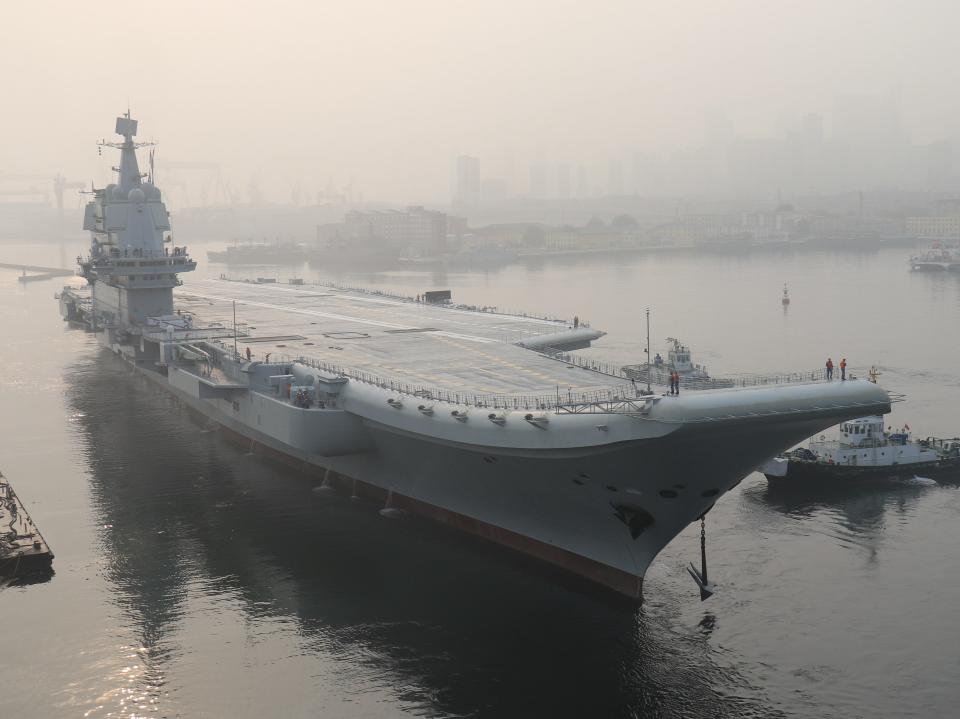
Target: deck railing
point(560, 400)
point(660, 377)
point(481, 400)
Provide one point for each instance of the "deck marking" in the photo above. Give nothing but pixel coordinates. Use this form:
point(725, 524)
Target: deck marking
point(333, 316)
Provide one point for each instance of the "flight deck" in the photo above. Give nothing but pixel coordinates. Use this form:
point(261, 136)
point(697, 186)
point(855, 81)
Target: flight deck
point(444, 347)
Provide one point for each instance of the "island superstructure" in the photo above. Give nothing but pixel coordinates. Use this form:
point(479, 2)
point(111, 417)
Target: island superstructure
point(459, 414)
point(131, 269)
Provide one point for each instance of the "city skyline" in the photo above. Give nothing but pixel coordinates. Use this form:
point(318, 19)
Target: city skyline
point(863, 145)
point(616, 93)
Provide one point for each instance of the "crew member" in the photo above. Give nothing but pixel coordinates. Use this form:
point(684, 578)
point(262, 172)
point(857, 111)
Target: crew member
point(249, 354)
point(829, 367)
point(843, 368)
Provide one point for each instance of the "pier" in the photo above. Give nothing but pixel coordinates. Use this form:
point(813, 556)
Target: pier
point(44, 273)
point(22, 548)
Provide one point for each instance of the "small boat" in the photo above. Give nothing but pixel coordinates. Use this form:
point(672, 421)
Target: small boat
point(786, 296)
point(678, 360)
point(936, 258)
point(865, 450)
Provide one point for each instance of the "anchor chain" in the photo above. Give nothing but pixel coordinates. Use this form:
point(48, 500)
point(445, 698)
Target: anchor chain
point(703, 546)
point(700, 577)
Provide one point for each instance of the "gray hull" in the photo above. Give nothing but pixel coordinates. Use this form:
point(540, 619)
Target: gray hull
point(602, 511)
point(443, 410)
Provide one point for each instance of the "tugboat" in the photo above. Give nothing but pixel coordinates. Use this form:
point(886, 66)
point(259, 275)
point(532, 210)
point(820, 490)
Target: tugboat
point(936, 258)
point(786, 296)
point(678, 360)
point(864, 450)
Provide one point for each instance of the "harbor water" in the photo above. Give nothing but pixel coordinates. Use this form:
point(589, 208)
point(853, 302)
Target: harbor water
point(194, 579)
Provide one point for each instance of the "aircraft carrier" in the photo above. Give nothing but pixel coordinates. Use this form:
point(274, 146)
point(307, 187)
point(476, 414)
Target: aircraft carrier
point(457, 414)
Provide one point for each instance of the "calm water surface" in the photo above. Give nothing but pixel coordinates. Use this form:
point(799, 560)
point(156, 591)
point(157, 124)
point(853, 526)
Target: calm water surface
point(195, 580)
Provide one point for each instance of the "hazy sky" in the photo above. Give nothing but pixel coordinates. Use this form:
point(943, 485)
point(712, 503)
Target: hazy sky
point(386, 93)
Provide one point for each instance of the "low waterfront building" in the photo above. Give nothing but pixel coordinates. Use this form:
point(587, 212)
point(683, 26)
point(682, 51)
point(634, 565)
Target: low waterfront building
point(414, 228)
point(943, 228)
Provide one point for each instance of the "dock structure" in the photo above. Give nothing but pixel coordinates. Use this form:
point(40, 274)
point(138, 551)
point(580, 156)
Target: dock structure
point(43, 273)
point(23, 549)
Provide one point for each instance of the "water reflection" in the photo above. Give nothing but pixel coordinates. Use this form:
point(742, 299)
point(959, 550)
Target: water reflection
point(444, 624)
point(857, 510)
point(40, 576)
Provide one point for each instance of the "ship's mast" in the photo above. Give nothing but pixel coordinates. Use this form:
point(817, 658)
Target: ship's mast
point(128, 169)
point(649, 391)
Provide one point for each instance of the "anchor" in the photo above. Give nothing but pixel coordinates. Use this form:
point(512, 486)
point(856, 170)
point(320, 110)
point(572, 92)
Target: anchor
point(706, 589)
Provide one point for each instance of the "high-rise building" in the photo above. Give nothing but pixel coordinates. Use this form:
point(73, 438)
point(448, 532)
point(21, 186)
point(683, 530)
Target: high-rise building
point(466, 189)
point(615, 179)
point(563, 182)
point(812, 129)
point(940, 167)
point(538, 180)
point(583, 182)
point(871, 145)
point(494, 189)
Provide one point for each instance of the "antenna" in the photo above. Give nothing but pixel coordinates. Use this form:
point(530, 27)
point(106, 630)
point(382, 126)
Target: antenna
point(649, 391)
point(235, 352)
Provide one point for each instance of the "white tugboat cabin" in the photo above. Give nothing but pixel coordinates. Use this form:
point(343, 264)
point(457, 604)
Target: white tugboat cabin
point(863, 442)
